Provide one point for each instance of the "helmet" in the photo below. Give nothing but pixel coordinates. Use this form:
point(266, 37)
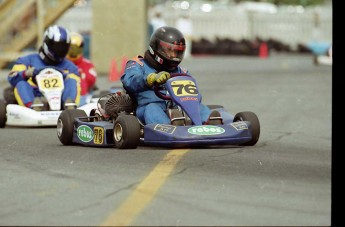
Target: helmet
point(76, 48)
point(167, 47)
point(56, 42)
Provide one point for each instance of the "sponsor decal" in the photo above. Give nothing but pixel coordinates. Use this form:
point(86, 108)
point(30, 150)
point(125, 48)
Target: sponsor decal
point(50, 113)
point(54, 98)
point(206, 130)
point(159, 60)
point(239, 125)
point(85, 133)
point(189, 99)
point(130, 65)
point(165, 128)
point(14, 115)
point(99, 135)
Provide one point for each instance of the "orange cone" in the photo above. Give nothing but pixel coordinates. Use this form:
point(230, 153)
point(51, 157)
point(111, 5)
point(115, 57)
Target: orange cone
point(123, 65)
point(263, 50)
point(113, 75)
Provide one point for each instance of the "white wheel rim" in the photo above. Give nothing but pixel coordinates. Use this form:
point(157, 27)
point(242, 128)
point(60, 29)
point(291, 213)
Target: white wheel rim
point(59, 127)
point(118, 132)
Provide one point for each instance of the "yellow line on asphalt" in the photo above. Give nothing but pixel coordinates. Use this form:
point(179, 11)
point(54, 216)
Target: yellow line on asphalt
point(146, 190)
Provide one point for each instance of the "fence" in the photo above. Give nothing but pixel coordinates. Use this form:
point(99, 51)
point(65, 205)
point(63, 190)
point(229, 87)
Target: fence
point(289, 28)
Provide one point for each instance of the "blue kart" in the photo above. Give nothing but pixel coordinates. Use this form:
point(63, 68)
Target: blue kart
point(114, 123)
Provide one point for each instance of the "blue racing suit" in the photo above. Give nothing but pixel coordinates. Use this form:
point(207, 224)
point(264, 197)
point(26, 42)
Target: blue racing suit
point(150, 108)
point(25, 90)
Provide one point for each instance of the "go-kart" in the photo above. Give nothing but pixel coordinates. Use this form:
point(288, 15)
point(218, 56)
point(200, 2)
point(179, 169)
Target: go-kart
point(114, 124)
point(322, 52)
point(51, 85)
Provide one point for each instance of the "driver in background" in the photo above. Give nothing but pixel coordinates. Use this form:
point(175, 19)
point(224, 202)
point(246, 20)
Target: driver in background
point(52, 53)
point(165, 53)
point(86, 68)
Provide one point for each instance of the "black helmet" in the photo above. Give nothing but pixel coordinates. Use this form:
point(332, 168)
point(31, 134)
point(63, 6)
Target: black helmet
point(56, 42)
point(167, 47)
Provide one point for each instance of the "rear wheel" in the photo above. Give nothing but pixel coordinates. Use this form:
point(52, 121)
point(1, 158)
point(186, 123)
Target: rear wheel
point(126, 132)
point(3, 117)
point(9, 95)
point(65, 125)
point(255, 125)
point(104, 92)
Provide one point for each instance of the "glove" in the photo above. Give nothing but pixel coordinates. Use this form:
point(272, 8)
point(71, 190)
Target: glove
point(31, 72)
point(159, 78)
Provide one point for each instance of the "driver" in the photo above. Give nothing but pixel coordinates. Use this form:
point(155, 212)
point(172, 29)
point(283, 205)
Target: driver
point(52, 53)
point(165, 53)
point(88, 74)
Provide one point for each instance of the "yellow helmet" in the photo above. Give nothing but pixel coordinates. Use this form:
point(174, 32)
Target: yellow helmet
point(76, 47)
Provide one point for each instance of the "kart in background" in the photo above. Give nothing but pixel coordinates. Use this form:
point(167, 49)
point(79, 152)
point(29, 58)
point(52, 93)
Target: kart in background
point(51, 85)
point(322, 53)
point(324, 59)
point(114, 124)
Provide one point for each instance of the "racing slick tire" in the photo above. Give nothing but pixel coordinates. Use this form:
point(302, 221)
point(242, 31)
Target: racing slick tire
point(9, 95)
point(103, 93)
point(255, 125)
point(65, 125)
point(3, 117)
point(215, 106)
point(126, 132)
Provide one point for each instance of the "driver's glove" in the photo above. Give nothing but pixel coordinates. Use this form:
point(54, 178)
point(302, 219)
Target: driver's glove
point(157, 78)
point(29, 73)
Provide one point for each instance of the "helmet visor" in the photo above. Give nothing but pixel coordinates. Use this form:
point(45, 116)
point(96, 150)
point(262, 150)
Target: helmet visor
point(75, 51)
point(170, 51)
point(56, 52)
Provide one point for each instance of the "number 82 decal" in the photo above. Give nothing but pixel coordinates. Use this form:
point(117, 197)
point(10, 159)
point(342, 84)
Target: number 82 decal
point(51, 83)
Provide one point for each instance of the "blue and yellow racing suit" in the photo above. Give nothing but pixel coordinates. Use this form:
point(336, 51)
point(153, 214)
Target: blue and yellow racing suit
point(25, 90)
point(150, 108)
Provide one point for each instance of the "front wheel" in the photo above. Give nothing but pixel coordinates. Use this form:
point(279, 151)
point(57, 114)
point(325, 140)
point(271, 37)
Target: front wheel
point(126, 132)
point(255, 125)
point(215, 106)
point(65, 125)
point(3, 117)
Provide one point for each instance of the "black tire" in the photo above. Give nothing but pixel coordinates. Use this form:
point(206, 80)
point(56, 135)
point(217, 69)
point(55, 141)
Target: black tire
point(215, 106)
point(126, 132)
point(103, 93)
point(65, 125)
point(3, 117)
point(9, 95)
point(255, 125)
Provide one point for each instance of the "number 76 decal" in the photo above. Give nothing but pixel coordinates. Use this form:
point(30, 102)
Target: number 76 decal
point(184, 88)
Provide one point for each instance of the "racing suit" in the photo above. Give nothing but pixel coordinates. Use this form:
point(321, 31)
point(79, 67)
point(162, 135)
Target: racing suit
point(88, 77)
point(26, 90)
point(150, 108)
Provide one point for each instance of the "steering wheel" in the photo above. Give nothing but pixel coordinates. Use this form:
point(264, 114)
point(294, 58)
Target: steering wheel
point(158, 88)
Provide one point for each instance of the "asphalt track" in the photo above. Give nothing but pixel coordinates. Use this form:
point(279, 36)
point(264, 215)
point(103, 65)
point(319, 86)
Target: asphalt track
point(285, 179)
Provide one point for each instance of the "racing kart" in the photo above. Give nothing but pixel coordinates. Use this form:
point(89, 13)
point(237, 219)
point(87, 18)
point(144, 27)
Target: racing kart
point(114, 124)
point(322, 53)
point(51, 85)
